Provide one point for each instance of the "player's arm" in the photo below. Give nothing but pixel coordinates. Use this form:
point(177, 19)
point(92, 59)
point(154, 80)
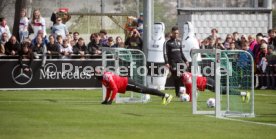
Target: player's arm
point(107, 95)
point(114, 89)
point(165, 51)
point(111, 86)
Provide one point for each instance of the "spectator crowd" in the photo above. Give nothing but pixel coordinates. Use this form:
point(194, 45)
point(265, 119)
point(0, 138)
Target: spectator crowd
point(261, 47)
point(61, 43)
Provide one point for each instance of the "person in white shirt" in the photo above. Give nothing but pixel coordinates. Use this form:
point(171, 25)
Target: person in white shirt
point(65, 50)
point(38, 23)
point(60, 29)
point(4, 28)
point(23, 26)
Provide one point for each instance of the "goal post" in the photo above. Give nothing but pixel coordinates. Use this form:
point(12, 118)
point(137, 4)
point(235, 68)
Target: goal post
point(232, 74)
point(126, 62)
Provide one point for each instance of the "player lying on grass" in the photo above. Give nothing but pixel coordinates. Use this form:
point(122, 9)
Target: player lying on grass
point(118, 84)
point(203, 82)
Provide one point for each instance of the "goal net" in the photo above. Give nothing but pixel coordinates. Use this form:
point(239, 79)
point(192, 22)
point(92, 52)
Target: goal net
point(230, 81)
point(126, 62)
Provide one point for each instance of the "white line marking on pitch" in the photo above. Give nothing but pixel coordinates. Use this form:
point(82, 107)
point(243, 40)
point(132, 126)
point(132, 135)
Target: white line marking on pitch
point(266, 95)
point(244, 121)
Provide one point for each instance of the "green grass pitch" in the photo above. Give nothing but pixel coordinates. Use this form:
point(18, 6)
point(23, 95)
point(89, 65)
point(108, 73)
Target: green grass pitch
point(78, 114)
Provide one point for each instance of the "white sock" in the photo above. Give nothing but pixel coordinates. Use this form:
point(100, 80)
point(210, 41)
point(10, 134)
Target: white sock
point(167, 95)
point(243, 93)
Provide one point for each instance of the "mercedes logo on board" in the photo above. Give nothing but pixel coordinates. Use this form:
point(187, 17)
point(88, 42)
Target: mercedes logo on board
point(20, 76)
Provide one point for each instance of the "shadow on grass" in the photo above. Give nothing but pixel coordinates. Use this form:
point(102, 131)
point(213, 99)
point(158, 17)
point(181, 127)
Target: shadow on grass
point(266, 115)
point(51, 100)
point(133, 114)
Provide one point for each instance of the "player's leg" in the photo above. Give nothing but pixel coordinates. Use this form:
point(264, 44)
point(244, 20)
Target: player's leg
point(135, 87)
point(177, 82)
point(211, 86)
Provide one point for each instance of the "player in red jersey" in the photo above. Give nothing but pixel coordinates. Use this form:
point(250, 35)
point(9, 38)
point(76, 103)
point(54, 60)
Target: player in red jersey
point(118, 84)
point(203, 82)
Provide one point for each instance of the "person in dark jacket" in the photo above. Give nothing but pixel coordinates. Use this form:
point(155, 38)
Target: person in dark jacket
point(12, 46)
point(80, 48)
point(94, 46)
point(26, 53)
point(134, 41)
point(271, 70)
point(52, 48)
point(174, 58)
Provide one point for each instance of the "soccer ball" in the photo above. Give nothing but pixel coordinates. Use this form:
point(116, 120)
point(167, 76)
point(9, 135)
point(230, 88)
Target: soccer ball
point(211, 102)
point(146, 97)
point(184, 97)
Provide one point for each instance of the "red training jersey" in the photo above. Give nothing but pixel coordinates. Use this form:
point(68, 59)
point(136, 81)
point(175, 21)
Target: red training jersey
point(114, 83)
point(187, 81)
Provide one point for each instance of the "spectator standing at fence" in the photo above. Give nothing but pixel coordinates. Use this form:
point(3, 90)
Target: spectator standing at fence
point(39, 49)
point(245, 47)
point(94, 46)
point(4, 39)
point(272, 37)
point(59, 28)
point(4, 28)
point(219, 44)
point(52, 48)
point(237, 40)
point(119, 42)
point(214, 33)
point(271, 69)
point(255, 51)
point(244, 39)
point(26, 53)
point(70, 39)
point(261, 63)
point(204, 43)
point(130, 25)
point(228, 40)
point(110, 43)
point(210, 43)
point(257, 46)
point(65, 50)
point(140, 24)
point(44, 38)
point(134, 41)
point(38, 23)
point(232, 46)
point(23, 25)
point(12, 47)
point(59, 41)
point(252, 42)
point(244, 62)
point(80, 48)
point(76, 36)
point(104, 37)
point(244, 59)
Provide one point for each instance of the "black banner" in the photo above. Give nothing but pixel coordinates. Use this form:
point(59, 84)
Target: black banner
point(56, 74)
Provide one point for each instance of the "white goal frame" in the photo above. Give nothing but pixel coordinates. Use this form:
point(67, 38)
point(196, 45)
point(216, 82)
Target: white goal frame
point(218, 112)
point(113, 55)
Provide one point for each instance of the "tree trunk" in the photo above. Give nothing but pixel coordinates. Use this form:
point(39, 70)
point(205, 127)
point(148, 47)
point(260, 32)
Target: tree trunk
point(19, 4)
